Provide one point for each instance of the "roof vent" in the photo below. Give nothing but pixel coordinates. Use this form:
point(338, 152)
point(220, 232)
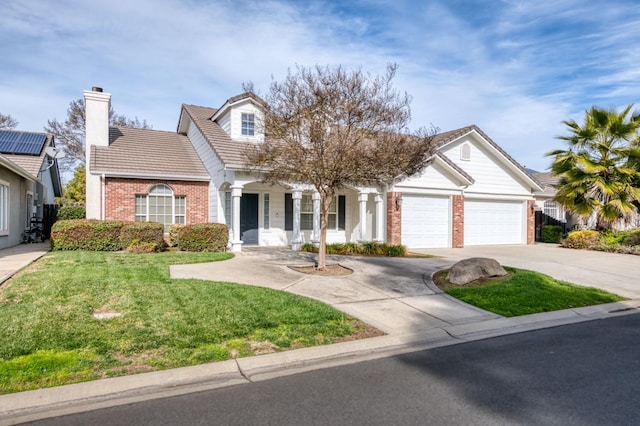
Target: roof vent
point(96, 89)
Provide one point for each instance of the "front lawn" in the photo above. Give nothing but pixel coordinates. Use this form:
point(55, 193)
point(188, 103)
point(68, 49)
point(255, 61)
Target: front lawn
point(77, 316)
point(525, 292)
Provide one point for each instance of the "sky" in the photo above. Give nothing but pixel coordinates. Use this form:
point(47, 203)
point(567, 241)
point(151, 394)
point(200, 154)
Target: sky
point(514, 68)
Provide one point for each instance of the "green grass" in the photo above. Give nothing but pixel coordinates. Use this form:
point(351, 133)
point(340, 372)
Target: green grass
point(528, 292)
point(49, 336)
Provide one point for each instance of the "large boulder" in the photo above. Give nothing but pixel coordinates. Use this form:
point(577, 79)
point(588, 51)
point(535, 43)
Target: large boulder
point(468, 270)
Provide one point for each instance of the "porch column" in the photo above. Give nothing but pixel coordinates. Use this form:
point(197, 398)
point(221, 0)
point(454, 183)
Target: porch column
point(379, 218)
point(236, 243)
point(362, 199)
point(315, 236)
point(296, 196)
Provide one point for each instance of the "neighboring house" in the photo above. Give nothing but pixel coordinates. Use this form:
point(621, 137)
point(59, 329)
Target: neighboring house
point(472, 192)
point(29, 180)
point(552, 213)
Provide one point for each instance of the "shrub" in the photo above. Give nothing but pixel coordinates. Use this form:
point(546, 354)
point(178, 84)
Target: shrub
point(143, 232)
point(71, 212)
point(203, 237)
point(138, 246)
point(174, 231)
point(86, 234)
point(551, 233)
point(371, 248)
point(612, 238)
point(582, 239)
point(633, 239)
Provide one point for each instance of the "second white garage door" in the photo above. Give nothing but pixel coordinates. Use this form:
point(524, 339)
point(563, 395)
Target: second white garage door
point(493, 222)
point(425, 221)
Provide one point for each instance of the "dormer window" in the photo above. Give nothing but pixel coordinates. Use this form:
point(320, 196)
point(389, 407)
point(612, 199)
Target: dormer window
point(248, 124)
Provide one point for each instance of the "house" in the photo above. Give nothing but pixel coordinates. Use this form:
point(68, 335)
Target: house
point(29, 180)
point(472, 192)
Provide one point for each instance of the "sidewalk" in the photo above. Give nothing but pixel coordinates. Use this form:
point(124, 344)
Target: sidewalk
point(394, 294)
point(13, 259)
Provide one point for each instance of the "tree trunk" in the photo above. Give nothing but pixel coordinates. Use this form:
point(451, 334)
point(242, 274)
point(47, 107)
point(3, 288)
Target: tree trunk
point(325, 204)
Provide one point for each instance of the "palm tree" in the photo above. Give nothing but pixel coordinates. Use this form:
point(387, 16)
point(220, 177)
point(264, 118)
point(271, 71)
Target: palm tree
point(599, 174)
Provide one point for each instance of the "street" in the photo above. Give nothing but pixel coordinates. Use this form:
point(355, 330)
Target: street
point(583, 374)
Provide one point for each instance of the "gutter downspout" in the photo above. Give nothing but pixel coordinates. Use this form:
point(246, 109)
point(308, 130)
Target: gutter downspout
point(103, 196)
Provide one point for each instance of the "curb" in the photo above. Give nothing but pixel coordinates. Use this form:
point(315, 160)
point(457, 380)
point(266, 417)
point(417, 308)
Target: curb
point(87, 396)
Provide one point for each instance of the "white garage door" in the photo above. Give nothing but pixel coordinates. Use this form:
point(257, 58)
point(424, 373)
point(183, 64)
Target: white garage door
point(425, 221)
point(493, 222)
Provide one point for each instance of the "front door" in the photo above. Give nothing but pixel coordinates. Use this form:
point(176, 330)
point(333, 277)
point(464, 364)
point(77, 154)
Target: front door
point(249, 218)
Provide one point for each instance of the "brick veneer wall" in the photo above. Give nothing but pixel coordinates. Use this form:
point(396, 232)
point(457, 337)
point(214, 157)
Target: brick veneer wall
point(531, 222)
point(120, 194)
point(394, 219)
point(457, 223)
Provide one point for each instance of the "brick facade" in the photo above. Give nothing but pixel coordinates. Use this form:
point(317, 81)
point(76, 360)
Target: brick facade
point(120, 194)
point(457, 222)
point(531, 222)
point(394, 218)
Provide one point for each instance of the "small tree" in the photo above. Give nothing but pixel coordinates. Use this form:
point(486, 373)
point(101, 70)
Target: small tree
point(75, 190)
point(330, 128)
point(7, 122)
point(69, 135)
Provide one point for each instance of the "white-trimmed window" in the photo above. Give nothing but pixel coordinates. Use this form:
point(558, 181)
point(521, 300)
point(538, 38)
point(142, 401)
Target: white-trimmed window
point(306, 212)
point(227, 208)
point(160, 205)
point(265, 208)
point(4, 207)
point(550, 209)
point(248, 124)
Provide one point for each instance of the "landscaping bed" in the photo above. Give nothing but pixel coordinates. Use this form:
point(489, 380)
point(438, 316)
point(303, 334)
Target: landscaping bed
point(78, 316)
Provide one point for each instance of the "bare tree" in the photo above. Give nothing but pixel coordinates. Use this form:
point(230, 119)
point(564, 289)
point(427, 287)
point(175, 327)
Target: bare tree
point(69, 135)
point(7, 122)
point(331, 128)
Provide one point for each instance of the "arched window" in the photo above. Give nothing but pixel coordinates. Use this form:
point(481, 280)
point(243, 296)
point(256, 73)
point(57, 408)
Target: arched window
point(551, 209)
point(160, 205)
point(465, 152)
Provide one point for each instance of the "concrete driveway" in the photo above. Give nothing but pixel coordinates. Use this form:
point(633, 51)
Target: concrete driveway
point(616, 273)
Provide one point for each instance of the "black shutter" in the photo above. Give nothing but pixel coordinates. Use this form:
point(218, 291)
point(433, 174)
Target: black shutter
point(342, 205)
point(288, 212)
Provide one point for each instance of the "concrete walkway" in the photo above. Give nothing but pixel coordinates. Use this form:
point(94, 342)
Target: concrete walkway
point(15, 258)
point(395, 295)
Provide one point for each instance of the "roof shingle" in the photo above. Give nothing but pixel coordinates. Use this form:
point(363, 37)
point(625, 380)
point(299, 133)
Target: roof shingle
point(148, 152)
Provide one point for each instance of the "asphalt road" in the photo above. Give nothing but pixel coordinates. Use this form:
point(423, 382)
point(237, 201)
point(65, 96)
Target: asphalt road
point(583, 374)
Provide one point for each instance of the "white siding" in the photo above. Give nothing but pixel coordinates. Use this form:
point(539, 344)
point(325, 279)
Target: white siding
point(434, 177)
point(489, 174)
point(213, 166)
point(235, 116)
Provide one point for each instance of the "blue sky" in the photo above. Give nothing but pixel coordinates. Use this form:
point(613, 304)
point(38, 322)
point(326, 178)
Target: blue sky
point(514, 68)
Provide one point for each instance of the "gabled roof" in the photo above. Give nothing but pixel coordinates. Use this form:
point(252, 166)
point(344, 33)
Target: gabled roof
point(35, 163)
point(239, 98)
point(147, 153)
point(453, 167)
point(442, 139)
point(15, 168)
point(230, 152)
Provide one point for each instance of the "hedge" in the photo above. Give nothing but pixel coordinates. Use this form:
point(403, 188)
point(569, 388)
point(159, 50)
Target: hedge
point(370, 248)
point(142, 233)
point(551, 233)
point(203, 237)
point(86, 234)
point(586, 239)
point(71, 212)
point(174, 230)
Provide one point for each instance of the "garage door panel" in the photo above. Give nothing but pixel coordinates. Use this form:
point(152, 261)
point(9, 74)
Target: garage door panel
point(493, 222)
point(425, 221)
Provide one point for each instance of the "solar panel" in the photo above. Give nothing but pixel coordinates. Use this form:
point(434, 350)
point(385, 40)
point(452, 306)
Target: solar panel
point(25, 143)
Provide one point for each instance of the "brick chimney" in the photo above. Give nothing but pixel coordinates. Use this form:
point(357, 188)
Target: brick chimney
point(97, 105)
